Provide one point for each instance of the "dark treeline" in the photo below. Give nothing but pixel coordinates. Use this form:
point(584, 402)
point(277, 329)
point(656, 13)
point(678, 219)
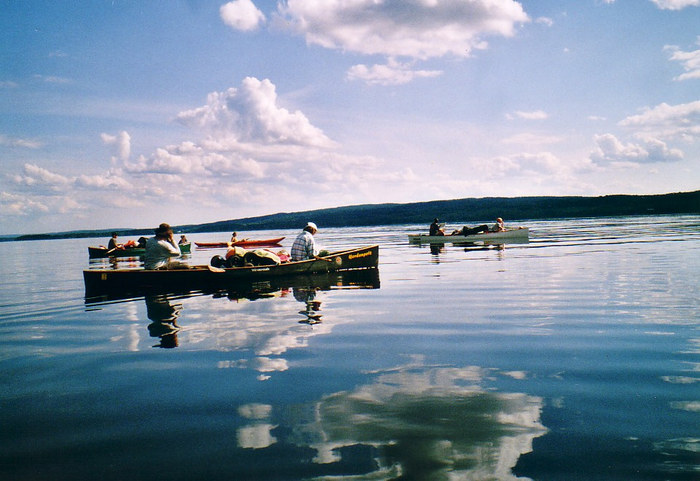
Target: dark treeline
point(452, 211)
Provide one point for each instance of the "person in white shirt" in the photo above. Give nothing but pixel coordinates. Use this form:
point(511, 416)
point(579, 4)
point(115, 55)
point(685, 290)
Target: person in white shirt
point(161, 248)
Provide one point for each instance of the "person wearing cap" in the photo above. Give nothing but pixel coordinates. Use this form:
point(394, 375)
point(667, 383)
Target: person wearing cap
point(498, 226)
point(160, 248)
point(304, 246)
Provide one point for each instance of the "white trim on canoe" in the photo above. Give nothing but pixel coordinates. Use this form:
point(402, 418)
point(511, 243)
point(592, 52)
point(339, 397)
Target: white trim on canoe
point(521, 234)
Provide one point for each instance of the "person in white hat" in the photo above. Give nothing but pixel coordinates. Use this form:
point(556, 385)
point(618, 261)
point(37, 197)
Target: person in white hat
point(304, 246)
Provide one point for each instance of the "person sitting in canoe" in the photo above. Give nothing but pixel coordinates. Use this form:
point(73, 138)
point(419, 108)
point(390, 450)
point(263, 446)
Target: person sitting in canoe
point(113, 244)
point(498, 226)
point(160, 249)
point(234, 239)
point(183, 240)
point(436, 229)
point(304, 246)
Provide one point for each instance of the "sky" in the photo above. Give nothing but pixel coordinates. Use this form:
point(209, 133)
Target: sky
point(125, 113)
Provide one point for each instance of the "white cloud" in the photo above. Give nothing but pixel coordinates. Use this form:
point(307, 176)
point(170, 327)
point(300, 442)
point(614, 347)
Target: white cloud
point(532, 115)
point(418, 29)
point(251, 115)
point(34, 175)
point(241, 15)
point(546, 21)
point(689, 60)
point(675, 4)
point(393, 73)
point(19, 204)
point(18, 142)
point(110, 181)
point(678, 122)
point(610, 150)
point(121, 142)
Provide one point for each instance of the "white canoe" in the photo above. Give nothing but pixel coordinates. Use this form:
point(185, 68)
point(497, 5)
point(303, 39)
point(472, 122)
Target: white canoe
point(515, 235)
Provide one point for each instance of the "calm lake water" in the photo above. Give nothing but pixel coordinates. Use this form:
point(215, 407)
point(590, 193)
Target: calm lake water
point(571, 357)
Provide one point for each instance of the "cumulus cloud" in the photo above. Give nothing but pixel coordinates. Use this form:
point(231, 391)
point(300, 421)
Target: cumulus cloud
point(689, 60)
point(44, 180)
point(610, 150)
point(241, 15)
point(245, 137)
point(675, 4)
point(393, 73)
point(33, 175)
point(121, 143)
point(418, 29)
point(250, 114)
point(674, 122)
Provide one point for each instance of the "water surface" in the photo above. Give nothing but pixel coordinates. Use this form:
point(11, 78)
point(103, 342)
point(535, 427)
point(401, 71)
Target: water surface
point(573, 356)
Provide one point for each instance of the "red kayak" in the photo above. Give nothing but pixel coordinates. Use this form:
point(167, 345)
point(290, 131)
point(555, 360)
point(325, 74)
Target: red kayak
point(242, 243)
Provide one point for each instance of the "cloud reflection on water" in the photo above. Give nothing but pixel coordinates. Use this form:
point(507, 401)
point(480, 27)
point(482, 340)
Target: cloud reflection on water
point(428, 423)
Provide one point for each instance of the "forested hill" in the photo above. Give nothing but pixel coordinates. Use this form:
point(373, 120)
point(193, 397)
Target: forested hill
point(454, 211)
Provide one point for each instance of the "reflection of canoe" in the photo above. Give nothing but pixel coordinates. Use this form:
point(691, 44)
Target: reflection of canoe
point(242, 243)
point(99, 252)
point(203, 277)
point(515, 235)
point(261, 289)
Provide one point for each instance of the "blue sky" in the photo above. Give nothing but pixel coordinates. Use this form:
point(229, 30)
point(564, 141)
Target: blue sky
point(128, 113)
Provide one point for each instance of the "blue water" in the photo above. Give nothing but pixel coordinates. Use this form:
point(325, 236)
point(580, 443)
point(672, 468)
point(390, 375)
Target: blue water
point(571, 357)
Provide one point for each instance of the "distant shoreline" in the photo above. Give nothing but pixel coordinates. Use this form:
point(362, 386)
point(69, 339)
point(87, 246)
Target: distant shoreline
point(454, 211)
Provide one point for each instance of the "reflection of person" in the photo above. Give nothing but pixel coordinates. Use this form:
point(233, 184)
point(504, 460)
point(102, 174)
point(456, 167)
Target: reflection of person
point(498, 226)
point(113, 244)
point(307, 295)
point(164, 317)
point(160, 248)
point(304, 246)
point(435, 228)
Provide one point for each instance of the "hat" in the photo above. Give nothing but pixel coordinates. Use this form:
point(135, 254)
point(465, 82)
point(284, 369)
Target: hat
point(163, 229)
point(312, 225)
